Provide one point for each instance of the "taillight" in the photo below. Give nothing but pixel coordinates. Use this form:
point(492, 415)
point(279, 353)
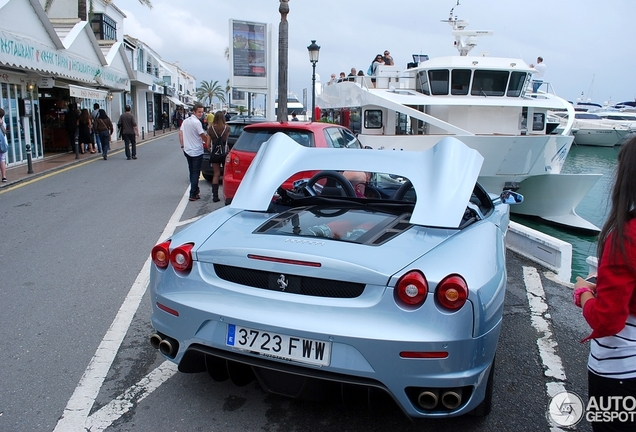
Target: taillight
point(228, 158)
point(412, 288)
point(452, 292)
point(161, 254)
point(181, 257)
point(234, 159)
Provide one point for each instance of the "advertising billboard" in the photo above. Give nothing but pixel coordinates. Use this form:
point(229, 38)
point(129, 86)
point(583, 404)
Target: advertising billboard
point(249, 54)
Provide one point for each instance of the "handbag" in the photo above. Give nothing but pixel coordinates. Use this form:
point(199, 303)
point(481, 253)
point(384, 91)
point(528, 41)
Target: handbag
point(4, 146)
point(219, 148)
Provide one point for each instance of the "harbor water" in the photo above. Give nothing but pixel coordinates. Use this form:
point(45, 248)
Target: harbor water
point(594, 207)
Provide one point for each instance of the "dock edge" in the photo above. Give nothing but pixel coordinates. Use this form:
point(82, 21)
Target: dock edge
point(548, 251)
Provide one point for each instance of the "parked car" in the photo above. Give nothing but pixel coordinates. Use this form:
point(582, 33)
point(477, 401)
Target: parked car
point(400, 291)
point(236, 126)
point(308, 134)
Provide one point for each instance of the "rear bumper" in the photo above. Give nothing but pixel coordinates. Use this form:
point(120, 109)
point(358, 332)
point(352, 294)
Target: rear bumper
point(366, 342)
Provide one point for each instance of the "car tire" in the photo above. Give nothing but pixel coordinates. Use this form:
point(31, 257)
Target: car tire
point(484, 408)
point(208, 177)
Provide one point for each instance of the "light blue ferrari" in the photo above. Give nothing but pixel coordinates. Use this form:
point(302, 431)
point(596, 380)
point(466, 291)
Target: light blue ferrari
point(384, 272)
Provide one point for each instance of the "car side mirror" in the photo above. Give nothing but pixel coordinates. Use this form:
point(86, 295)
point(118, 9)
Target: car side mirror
point(509, 197)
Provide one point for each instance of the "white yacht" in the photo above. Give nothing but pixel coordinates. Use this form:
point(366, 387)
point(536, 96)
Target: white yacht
point(486, 102)
point(600, 128)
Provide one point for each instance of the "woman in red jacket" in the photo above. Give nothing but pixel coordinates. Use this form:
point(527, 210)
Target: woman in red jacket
point(609, 307)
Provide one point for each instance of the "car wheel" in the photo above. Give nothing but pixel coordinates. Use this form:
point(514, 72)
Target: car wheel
point(484, 408)
point(208, 177)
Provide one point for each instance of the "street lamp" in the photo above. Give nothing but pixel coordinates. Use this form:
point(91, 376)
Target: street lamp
point(314, 51)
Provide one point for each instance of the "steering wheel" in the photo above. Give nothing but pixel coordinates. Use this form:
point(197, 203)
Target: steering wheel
point(402, 190)
point(332, 175)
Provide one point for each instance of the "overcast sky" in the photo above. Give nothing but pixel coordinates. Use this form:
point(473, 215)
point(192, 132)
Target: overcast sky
point(588, 46)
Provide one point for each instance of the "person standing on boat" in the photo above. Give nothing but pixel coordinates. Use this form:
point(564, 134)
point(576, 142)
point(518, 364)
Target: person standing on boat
point(388, 60)
point(609, 306)
point(537, 78)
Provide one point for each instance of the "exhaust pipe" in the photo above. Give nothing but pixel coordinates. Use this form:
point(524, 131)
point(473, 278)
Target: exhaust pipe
point(169, 347)
point(451, 399)
point(428, 399)
point(155, 340)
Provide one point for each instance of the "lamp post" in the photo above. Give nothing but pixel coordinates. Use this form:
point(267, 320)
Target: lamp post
point(314, 51)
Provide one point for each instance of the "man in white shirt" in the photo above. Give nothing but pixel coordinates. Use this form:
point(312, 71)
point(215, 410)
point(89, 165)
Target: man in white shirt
point(537, 78)
point(194, 140)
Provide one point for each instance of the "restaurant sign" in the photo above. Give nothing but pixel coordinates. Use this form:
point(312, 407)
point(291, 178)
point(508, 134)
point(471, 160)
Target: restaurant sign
point(25, 53)
point(87, 93)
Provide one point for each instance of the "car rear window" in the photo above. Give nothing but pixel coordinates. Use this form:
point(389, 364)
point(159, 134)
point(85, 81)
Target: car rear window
point(350, 225)
point(251, 140)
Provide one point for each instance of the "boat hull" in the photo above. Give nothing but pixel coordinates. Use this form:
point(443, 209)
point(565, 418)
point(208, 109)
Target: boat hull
point(532, 162)
point(554, 198)
point(600, 137)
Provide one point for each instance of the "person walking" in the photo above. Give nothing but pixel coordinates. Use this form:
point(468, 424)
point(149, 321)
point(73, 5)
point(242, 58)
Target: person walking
point(194, 140)
point(95, 133)
point(85, 125)
point(218, 133)
point(104, 128)
point(609, 303)
point(4, 147)
point(129, 132)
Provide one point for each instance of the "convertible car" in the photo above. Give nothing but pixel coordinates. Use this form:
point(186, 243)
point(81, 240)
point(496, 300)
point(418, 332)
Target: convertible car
point(383, 273)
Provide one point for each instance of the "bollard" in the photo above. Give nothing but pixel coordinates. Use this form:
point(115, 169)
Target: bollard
point(76, 149)
point(142, 133)
point(154, 130)
point(29, 159)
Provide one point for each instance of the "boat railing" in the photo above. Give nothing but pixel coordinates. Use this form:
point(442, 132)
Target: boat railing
point(544, 89)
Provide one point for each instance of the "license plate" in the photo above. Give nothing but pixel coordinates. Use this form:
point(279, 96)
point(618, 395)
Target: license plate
point(279, 346)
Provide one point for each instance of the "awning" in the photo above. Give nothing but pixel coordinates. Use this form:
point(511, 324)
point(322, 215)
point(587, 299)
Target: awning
point(175, 101)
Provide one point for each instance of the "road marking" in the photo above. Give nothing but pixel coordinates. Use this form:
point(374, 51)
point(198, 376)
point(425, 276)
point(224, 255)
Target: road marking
point(108, 414)
point(542, 323)
point(76, 413)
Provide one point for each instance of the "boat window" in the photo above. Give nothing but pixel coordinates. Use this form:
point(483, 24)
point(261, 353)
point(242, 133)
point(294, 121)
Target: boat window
point(587, 116)
point(460, 82)
point(538, 121)
point(439, 81)
point(422, 83)
point(489, 83)
point(517, 80)
point(373, 119)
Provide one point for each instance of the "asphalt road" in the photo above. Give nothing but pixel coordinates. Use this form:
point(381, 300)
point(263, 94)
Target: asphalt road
point(72, 254)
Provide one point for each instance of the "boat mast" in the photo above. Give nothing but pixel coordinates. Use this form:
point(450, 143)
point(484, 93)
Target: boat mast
point(465, 40)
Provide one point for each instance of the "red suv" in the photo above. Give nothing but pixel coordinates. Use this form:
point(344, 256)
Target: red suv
point(309, 134)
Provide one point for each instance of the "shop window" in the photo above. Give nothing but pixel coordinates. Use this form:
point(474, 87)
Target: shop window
point(104, 27)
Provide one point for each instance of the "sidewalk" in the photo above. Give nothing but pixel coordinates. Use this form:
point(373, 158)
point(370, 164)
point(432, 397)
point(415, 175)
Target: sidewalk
point(55, 161)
